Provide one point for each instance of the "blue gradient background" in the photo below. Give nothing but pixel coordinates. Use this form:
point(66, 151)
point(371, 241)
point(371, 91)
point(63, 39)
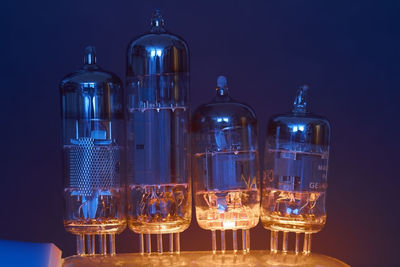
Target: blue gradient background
point(347, 51)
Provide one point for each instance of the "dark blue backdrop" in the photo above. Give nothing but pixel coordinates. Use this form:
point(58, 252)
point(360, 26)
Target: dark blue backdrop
point(347, 51)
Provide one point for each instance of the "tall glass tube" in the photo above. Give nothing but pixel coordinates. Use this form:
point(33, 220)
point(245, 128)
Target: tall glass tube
point(157, 76)
point(225, 167)
point(295, 174)
point(93, 138)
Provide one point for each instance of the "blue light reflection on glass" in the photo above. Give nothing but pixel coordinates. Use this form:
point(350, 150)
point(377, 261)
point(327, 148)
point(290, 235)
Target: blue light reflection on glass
point(221, 208)
point(155, 51)
point(88, 84)
point(297, 127)
point(86, 101)
point(290, 211)
point(223, 119)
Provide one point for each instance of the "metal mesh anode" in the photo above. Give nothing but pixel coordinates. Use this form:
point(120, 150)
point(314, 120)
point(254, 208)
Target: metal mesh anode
point(93, 166)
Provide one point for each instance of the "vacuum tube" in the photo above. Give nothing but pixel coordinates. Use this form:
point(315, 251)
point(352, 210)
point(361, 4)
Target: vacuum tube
point(295, 174)
point(92, 122)
point(158, 155)
point(225, 167)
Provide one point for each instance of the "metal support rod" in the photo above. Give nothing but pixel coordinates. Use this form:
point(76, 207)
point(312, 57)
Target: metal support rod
point(285, 242)
point(274, 241)
point(307, 244)
point(223, 244)
point(90, 244)
point(248, 240)
point(244, 241)
point(234, 241)
point(213, 242)
point(297, 244)
point(178, 243)
point(271, 241)
point(159, 243)
point(93, 241)
point(111, 240)
point(80, 244)
point(103, 244)
point(171, 243)
point(148, 243)
point(141, 244)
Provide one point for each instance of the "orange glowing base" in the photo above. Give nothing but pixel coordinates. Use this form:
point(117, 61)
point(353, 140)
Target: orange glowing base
point(206, 259)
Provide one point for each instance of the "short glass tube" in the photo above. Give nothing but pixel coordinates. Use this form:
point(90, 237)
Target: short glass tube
point(295, 173)
point(225, 165)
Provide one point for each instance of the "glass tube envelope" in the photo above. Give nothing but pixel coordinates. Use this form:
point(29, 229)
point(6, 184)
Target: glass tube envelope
point(225, 167)
point(295, 174)
point(157, 76)
point(92, 122)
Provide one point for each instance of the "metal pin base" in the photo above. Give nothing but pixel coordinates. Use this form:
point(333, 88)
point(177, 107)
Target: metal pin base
point(245, 241)
point(174, 243)
point(274, 238)
point(86, 244)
